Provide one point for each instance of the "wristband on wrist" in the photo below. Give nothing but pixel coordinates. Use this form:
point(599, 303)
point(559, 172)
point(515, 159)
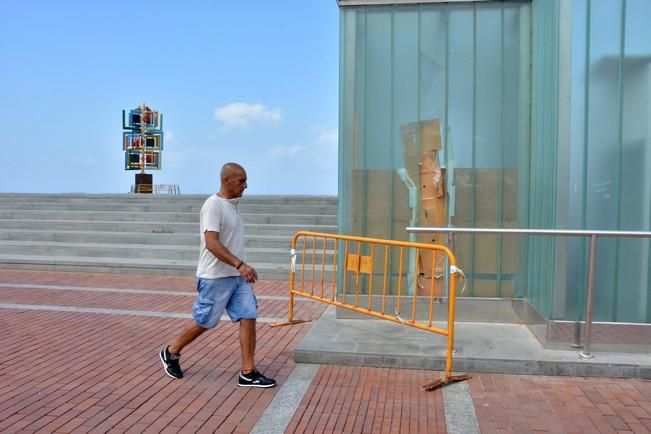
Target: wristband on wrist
point(239, 265)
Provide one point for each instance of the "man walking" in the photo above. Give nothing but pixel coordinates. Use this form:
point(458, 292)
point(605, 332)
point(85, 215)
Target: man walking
point(223, 279)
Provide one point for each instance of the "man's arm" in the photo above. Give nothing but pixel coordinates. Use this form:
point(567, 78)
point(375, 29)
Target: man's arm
point(223, 254)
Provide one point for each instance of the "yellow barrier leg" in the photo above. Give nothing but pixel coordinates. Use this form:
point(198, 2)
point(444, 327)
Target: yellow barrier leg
point(291, 320)
point(449, 378)
point(296, 321)
point(445, 381)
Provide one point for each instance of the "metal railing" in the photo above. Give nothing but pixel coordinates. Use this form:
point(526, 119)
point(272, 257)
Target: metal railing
point(585, 353)
point(315, 258)
point(156, 188)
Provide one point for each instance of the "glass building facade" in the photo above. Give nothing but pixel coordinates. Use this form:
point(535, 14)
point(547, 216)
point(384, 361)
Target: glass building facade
point(538, 114)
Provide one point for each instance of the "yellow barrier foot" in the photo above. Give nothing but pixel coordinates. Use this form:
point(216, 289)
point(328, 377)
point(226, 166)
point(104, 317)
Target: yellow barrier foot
point(445, 381)
point(296, 321)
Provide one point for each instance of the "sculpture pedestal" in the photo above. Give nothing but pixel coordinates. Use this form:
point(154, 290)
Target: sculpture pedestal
point(144, 182)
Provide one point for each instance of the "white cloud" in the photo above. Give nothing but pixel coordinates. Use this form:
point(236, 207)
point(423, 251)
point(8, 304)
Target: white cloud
point(185, 156)
point(327, 147)
point(329, 137)
point(319, 152)
point(283, 151)
point(241, 114)
point(307, 166)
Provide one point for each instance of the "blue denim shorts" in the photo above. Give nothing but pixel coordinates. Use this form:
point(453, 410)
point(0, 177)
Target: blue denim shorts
point(214, 295)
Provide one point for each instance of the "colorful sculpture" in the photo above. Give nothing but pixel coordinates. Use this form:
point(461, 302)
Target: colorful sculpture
point(142, 142)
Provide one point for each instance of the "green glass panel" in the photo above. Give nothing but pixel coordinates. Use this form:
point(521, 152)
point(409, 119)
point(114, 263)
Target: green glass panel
point(458, 68)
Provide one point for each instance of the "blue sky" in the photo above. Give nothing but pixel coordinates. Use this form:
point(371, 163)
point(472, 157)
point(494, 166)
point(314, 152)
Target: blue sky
point(251, 81)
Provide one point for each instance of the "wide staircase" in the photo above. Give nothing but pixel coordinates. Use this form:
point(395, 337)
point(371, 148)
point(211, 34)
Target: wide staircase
point(146, 234)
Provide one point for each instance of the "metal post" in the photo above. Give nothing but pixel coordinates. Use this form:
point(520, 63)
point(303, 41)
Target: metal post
point(586, 354)
point(577, 335)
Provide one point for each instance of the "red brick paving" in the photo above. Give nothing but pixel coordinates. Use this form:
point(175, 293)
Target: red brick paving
point(526, 404)
point(80, 372)
point(156, 302)
point(369, 400)
point(72, 370)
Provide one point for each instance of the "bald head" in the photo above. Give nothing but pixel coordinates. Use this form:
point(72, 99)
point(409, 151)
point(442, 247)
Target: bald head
point(229, 170)
point(233, 180)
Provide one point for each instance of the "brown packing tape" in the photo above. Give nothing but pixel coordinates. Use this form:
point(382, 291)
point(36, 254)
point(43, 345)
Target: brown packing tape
point(432, 213)
point(426, 258)
point(431, 185)
point(428, 133)
point(420, 138)
point(428, 192)
point(431, 135)
point(427, 272)
point(429, 161)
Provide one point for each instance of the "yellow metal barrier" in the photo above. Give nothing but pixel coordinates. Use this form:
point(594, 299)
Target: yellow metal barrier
point(367, 263)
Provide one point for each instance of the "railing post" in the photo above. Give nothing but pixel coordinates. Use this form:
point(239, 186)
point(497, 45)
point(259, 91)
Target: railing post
point(577, 335)
point(586, 354)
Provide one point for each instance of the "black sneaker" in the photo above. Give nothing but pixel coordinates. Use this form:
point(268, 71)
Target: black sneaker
point(255, 379)
point(172, 366)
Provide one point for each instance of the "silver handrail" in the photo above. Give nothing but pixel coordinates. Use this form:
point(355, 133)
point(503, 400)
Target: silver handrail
point(585, 354)
point(155, 188)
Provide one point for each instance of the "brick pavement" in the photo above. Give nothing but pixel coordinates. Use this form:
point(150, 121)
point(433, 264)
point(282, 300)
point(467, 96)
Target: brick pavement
point(531, 403)
point(371, 400)
point(86, 372)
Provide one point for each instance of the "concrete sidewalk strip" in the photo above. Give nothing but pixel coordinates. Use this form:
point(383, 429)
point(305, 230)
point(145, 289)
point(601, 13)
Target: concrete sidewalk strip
point(133, 291)
point(280, 411)
point(118, 311)
point(460, 416)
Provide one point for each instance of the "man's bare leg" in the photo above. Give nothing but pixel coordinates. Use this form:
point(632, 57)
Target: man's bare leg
point(250, 377)
point(171, 355)
point(189, 334)
point(247, 344)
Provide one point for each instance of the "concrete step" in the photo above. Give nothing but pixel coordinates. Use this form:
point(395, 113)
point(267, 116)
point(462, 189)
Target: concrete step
point(74, 236)
point(147, 251)
point(159, 217)
point(171, 267)
point(171, 239)
point(152, 227)
point(266, 271)
point(135, 251)
point(165, 207)
point(158, 199)
point(155, 234)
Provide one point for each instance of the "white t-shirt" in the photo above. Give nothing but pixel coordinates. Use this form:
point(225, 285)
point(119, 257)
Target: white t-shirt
point(220, 215)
